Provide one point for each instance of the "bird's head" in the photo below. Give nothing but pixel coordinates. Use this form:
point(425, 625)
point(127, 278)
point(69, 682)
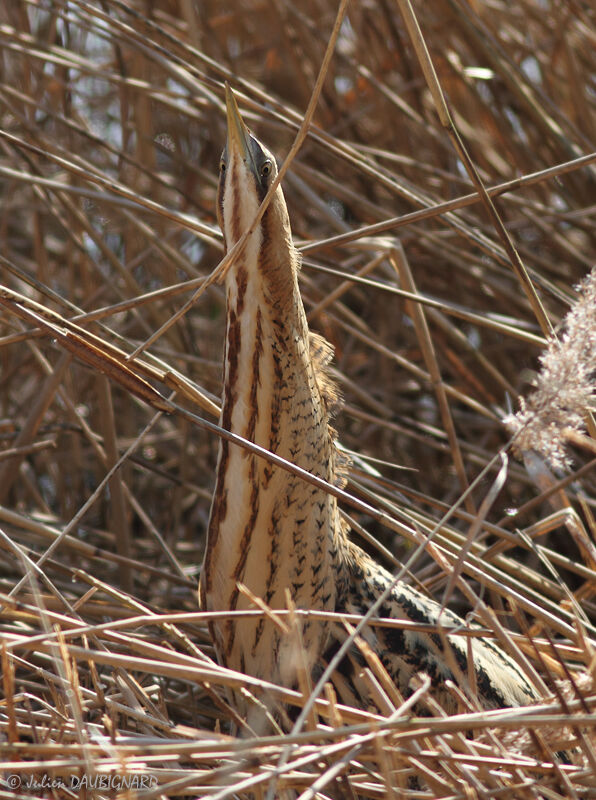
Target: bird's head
point(247, 170)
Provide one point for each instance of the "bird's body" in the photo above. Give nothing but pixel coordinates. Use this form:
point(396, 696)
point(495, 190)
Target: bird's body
point(274, 532)
point(268, 529)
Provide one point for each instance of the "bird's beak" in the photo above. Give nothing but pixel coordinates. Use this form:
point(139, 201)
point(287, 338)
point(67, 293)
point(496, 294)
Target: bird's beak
point(238, 133)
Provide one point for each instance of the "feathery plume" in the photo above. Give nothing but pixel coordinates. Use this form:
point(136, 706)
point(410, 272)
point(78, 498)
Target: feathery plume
point(565, 384)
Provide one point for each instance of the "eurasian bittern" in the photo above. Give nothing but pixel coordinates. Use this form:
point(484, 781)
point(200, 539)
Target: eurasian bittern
point(269, 529)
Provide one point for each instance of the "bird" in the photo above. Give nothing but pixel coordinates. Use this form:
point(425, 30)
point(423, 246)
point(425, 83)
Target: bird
point(272, 532)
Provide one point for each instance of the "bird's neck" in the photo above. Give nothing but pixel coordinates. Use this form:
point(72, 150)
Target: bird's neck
point(267, 367)
point(269, 529)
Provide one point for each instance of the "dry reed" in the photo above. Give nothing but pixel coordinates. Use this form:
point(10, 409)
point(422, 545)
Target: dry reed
point(444, 216)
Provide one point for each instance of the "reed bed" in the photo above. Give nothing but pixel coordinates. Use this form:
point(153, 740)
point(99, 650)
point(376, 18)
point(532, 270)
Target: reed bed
point(443, 198)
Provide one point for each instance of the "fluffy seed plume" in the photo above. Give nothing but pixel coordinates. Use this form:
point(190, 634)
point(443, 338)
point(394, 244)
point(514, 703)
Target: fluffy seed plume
point(565, 384)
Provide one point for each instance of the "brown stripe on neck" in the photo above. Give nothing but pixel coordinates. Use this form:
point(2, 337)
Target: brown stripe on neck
point(241, 285)
point(220, 500)
point(243, 549)
point(255, 379)
point(236, 232)
point(231, 372)
point(274, 412)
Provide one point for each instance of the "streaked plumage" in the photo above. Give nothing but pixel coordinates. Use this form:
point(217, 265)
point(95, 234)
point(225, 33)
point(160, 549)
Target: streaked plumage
point(269, 529)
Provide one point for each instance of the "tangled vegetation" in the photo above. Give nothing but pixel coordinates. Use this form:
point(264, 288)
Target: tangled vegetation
point(442, 198)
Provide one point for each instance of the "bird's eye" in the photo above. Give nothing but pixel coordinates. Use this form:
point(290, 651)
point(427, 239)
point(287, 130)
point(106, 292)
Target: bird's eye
point(222, 166)
point(266, 169)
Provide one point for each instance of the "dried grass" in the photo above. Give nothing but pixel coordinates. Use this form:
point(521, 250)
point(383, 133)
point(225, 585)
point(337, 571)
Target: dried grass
point(441, 243)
